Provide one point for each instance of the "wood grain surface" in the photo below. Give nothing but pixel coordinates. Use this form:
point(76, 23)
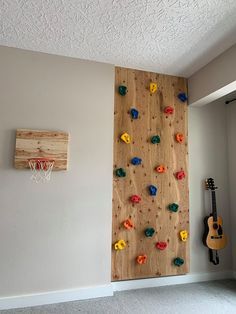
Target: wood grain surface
point(152, 211)
point(39, 144)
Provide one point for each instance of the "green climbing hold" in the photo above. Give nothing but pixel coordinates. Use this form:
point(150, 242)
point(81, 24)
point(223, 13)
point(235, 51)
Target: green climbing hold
point(120, 173)
point(178, 261)
point(173, 207)
point(149, 232)
point(122, 90)
point(156, 139)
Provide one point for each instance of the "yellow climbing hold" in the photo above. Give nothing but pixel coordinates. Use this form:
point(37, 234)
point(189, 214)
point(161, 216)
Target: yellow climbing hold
point(120, 245)
point(183, 235)
point(126, 138)
point(153, 88)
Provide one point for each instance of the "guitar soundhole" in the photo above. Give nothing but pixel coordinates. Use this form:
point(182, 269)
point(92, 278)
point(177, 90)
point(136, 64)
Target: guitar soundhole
point(220, 231)
point(215, 226)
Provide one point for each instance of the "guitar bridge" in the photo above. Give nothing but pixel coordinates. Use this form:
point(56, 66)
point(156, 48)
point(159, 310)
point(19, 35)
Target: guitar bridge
point(216, 237)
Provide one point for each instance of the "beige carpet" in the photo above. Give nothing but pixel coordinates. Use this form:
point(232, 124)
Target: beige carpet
point(216, 297)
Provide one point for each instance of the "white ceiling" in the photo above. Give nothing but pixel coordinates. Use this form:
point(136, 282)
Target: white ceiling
point(169, 36)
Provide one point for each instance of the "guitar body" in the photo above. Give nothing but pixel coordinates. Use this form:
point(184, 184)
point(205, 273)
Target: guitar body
point(213, 237)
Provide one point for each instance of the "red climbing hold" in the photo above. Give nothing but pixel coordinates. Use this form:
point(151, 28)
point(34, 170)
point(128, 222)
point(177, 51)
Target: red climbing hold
point(180, 175)
point(135, 199)
point(161, 245)
point(169, 110)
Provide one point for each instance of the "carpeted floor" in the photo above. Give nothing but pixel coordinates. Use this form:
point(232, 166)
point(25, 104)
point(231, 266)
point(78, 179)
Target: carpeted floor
point(216, 297)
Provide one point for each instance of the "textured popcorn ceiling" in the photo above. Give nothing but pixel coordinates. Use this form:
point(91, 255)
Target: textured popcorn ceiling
point(169, 36)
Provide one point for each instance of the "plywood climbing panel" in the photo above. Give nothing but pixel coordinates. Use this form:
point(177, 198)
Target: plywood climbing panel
point(150, 185)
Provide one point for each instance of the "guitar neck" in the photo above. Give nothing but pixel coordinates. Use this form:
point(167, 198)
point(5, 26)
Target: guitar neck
point(214, 210)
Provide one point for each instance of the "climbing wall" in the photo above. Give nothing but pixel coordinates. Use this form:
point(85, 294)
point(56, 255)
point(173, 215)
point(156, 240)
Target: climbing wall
point(150, 185)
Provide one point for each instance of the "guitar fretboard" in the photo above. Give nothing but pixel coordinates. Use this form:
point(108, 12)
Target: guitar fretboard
point(214, 210)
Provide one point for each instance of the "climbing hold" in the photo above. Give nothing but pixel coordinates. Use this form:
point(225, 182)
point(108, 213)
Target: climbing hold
point(183, 235)
point(173, 207)
point(136, 161)
point(141, 259)
point(126, 138)
point(155, 139)
point(128, 224)
point(180, 175)
point(122, 90)
point(160, 169)
point(182, 97)
point(152, 190)
point(120, 245)
point(135, 199)
point(153, 88)
point(178, 261)
point(169, 110)
point(134, 113)
point(149, 232)
point(120, 172)
point(161, 245)
point(179, 137)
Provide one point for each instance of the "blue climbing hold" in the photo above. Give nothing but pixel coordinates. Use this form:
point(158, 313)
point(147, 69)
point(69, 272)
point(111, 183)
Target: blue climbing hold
point(134, 113)
point(136, 161)
point(152, 190)
point(182, 97)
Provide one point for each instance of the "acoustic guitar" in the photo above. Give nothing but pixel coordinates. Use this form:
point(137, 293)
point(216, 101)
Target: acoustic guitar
point(214, 237)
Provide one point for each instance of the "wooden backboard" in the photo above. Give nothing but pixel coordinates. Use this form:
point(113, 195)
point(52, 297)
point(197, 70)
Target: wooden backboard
point(41, 144)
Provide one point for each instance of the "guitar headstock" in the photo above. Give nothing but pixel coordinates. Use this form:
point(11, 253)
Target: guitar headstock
point(210, 184)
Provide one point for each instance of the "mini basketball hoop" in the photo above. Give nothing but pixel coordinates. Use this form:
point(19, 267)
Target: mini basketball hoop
point(41, 169)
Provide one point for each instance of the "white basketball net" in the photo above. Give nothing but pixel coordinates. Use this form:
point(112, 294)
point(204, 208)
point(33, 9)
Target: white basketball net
point(41, 169)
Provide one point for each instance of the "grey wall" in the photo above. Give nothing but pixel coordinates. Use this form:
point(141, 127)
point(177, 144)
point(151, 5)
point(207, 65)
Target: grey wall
point(208, 158)
point(231, 130)
point(215, 80)
point(57, 235)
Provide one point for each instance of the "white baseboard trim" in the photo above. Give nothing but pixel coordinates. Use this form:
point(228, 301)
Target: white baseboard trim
point(55, 297)
point(170, 280)
point(68, 295)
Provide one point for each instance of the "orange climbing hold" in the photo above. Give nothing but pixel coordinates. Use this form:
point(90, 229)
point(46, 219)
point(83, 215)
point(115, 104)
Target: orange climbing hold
point(160, 169)
point(128, 224)
point(179, 137)
point(141, 259)
point(180, 175)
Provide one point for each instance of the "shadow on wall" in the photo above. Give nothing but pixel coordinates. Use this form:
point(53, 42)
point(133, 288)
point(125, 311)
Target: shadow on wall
point(9, 140)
